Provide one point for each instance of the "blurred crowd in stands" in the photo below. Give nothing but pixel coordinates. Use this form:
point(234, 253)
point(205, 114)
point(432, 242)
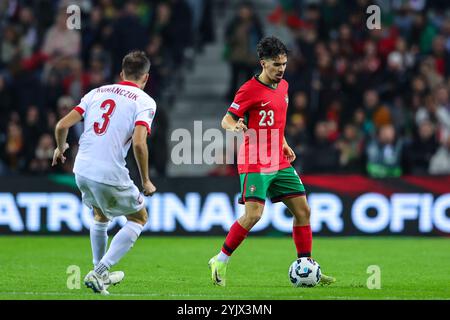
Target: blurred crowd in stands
point(45, 68)
point(361, 101)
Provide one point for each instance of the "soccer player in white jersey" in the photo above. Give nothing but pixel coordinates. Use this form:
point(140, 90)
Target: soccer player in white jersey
point(114, 117)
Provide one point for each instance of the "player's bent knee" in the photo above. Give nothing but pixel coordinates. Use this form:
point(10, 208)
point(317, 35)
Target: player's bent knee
point(254, 217)
point(102, 219)
point(307, 212)
point(142, 221)
point(253, 212)
point(99, 217)
point(303, 214)
point(140, 217)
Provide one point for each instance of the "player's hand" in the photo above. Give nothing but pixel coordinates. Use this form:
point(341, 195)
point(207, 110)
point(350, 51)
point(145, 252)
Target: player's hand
point(289, 153)
point(240, 126)
point(149, 188)
point(58, 154)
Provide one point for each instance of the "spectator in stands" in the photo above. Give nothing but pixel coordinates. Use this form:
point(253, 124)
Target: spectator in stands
point(376, 112)
point(402, 116)
point(6, 104)
point(14, 147)
point(322, 156)
point(442, 97)
point(298, 138)
point(10, 45)
point(323, 83)
point(438, 115)
point(60, 41)
point(242, 34)
point(351, 149)
point(41, 162)
point(395, 76)
point(385, 154)
point(29, 32)
point(99, 70)
point(370, 69)
point(77, 82)
point(96, 32)
point(300, 106)
point(333, 118)
point(128, 33)
point(32, 130)
point(180, 40)
point(110, 11)
point(441, 56)
point(419, 85)
point(363, 124)
point(160, 69)
point(50, 121)
point(64, 105)
point(445, 30)
point(422, 148)
point(206, 28)
point(428, 70)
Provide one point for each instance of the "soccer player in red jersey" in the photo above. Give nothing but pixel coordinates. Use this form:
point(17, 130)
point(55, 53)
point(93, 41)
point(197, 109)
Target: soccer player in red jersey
point(264, 161)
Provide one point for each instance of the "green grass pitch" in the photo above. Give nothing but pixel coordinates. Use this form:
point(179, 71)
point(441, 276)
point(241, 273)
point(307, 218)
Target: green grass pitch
point(176, 268)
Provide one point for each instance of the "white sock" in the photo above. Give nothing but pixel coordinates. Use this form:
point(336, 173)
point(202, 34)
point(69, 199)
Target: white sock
point(122, 243)
point(223, 257)
point(99, 240)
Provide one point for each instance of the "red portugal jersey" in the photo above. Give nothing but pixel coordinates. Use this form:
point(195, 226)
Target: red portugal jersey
point(264, 111)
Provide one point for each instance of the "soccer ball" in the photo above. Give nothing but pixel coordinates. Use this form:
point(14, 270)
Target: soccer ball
point(304, 272)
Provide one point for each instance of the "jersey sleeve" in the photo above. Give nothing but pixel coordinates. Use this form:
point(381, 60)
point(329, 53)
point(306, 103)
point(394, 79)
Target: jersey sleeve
point(84, 103)
point(242, 102)
point(145, 113)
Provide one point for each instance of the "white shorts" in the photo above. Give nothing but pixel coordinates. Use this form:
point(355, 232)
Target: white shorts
point(113, 201)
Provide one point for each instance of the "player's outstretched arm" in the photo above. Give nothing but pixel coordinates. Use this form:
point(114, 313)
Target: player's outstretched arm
point(140, 151)
point(61, 132)
point(229, 123)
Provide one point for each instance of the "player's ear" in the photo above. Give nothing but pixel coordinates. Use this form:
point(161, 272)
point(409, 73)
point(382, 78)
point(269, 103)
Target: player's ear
point(263, 63)
point(145, 78)
point(121, 75)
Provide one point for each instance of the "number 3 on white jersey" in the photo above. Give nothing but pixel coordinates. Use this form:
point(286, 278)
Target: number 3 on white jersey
point(264, 115)
point(100, 129)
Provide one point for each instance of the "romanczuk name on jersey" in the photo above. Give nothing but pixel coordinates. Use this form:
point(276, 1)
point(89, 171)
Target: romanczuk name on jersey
point(119, 91)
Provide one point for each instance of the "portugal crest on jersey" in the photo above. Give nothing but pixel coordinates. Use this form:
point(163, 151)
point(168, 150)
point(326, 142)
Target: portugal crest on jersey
point(287, 99)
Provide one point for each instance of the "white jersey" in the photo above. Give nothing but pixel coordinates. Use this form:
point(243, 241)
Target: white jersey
point(110, 114)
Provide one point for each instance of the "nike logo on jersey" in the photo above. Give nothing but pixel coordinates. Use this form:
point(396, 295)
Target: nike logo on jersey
point(264, 104)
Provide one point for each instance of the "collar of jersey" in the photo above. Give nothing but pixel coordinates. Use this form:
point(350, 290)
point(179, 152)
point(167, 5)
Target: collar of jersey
point(265, 85)
point(128, 83)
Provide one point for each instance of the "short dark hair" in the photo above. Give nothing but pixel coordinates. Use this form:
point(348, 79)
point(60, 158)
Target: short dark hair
point(135, 64)
point(271, 47)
